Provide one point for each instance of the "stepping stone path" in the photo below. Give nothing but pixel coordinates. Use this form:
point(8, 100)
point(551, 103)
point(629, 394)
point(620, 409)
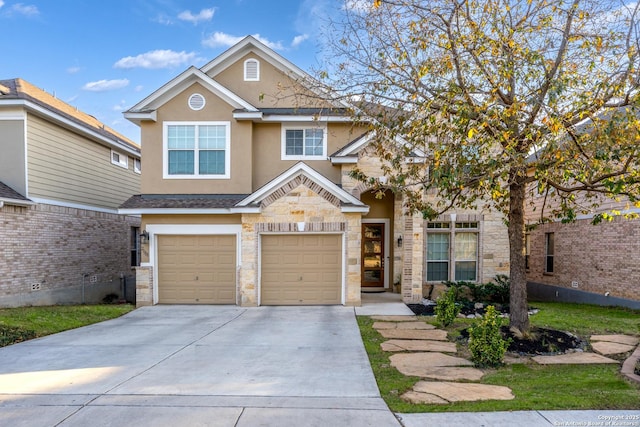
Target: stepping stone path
point(420, 349)
point(613, 344)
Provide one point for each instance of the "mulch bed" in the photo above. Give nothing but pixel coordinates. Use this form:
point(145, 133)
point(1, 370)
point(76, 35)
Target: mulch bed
point(540, 341)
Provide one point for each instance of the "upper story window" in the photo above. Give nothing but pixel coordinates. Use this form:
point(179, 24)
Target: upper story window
point(304, 142)
point(251, 70)
point(119, 159)
point(196, 150)
point(137, 166)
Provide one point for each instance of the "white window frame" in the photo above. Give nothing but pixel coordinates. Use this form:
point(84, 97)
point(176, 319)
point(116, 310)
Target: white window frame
point(252, 79)
point(137, 166)
point(452, 230)
point(165, 151)
point(304, 127)
point(123, 159)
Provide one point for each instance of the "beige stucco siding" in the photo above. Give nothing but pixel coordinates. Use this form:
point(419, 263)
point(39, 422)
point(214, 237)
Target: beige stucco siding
point(274, 89)
point(12, 162)
point(66, 167)
point(267, 150)
point(177, 110)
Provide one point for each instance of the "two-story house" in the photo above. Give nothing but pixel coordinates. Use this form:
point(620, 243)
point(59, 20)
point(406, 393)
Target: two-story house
point(63, 175)
point(247, 197)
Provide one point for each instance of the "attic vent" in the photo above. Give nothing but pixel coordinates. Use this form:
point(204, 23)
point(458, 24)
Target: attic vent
point(196, 102)
point(251, 70)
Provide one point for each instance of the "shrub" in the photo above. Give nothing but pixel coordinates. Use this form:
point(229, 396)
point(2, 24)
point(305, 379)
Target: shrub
point(486, 344)
point(11, 335)
point(446, 309)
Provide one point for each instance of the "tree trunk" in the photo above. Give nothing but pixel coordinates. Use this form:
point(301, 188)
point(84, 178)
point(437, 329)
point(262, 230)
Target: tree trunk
point(519, 317)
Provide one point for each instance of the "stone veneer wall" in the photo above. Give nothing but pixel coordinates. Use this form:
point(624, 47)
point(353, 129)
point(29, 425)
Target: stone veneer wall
point(47, 249)
point(599, 258)
point(300, 204)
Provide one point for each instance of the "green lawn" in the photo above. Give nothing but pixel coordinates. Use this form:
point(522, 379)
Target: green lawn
point(20, 324)
point(536, 387)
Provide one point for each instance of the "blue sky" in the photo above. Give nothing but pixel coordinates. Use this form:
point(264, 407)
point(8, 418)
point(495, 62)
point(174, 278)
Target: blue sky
point(105, 56)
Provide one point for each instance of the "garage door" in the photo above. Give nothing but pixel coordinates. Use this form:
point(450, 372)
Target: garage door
point(301, 269)
point(197, 269)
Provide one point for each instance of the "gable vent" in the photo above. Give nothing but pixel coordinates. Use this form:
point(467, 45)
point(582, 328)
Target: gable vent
point(251, 70)
point(196, 102)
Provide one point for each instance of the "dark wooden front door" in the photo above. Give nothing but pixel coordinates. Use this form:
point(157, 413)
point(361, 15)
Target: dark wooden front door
point(373, 255)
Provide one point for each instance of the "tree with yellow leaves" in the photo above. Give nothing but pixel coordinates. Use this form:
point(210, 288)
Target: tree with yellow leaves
point(506, 97)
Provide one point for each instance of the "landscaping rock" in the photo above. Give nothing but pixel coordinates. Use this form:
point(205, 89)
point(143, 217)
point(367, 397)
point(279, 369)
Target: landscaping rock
point(402, 325)
point(457, 392)
point(447, 373)
point(415, 334)
point(418, 345)
point(414, 364)
point(579, 358)
point(395, 318)
point(620, 339)
point(606, 347)
point(417, 398)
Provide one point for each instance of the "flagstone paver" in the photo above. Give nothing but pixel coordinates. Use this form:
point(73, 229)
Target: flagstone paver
point(415, 334)
point(418, 345)
point(402, 325)
point(456, 392)
point(413, 364)
point(606, 347)
point(425, 398)
point(579, 358)
point(395, 318)
point(620, 339)
point(446, 373)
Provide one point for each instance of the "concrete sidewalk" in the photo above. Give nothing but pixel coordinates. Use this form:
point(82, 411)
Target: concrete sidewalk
point(197, 365)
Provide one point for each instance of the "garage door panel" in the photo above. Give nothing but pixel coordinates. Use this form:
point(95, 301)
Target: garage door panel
point(301, 269)
point(197, 269)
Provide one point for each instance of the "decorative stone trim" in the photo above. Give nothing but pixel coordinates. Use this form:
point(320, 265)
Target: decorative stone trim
point(296, 182)
point(309, 227)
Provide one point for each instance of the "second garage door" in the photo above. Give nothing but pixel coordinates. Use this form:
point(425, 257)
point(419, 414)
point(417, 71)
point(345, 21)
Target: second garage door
point(301, 269)
point(197, 269)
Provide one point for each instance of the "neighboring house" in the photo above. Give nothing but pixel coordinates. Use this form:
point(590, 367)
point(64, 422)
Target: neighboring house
point(63, 175)
point(582, 262)
point(247, 197)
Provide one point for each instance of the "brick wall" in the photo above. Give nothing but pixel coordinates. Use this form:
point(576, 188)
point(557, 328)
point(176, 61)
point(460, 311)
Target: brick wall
point(599, 258)
point(47, 249)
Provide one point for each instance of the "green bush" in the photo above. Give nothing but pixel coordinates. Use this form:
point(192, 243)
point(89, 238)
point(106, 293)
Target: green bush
point(446, 309)
point(486, 344)
point(496, 291)
point(11, 335)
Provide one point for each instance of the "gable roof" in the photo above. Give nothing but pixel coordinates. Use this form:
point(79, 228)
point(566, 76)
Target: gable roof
point(323, 186)
point(20, 92)
point(349, 153)
point(146, 108)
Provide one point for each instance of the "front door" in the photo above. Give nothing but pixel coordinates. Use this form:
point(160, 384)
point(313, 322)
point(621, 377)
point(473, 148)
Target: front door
point(373, 255)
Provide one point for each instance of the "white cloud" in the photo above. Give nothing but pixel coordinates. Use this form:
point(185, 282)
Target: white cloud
point(299, 39)
point(358, 5)
point(106, 85)
point(139, 88)
point(121, 106)
point(73, 70)
point(204, 15)
point(219, 39)
point(156, 59)
point(25, 9)
point(162, 19)
point(1, 3)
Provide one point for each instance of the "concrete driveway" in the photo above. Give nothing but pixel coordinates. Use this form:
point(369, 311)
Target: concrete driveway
point(196, 366)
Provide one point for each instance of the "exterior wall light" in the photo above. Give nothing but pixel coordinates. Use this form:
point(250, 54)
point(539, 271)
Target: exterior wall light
point(144, 237)
point(400, 241)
